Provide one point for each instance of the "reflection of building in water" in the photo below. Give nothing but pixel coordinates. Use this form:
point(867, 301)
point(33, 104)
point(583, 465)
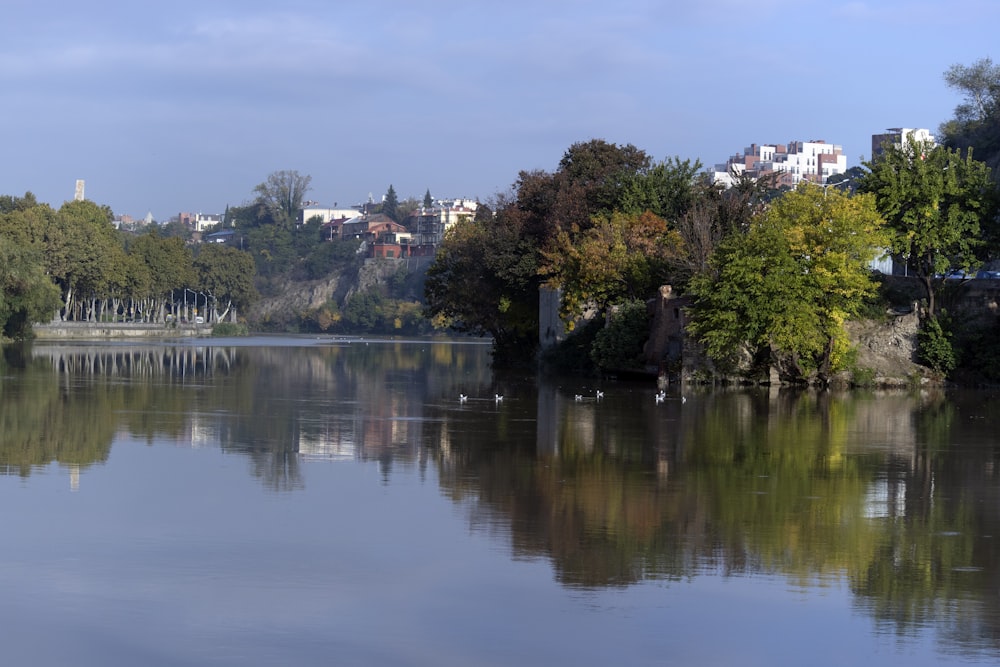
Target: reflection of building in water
point(328, 441)
point(882, 422)
point(885, 499)
point(74, 477)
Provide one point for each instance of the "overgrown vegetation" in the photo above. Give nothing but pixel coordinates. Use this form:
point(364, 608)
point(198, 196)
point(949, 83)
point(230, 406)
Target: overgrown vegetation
point(618, 346)
point(772, 275)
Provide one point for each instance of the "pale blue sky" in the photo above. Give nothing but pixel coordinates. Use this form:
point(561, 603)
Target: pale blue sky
point(187, 105)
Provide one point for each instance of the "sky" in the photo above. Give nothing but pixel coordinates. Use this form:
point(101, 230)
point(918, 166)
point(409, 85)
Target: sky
point(188, 105)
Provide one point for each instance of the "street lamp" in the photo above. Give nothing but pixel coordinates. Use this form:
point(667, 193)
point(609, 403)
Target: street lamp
point(846, 181)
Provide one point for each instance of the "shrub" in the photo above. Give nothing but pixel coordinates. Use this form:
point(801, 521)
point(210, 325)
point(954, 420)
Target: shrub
point(230, 329)
point(934, 347)
point(619, 344)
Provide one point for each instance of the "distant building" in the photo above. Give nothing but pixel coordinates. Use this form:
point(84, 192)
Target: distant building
point(814, 161)
point(428, 225)
point(223, 236)
point(203, 221)
point(327, 214)
point(897, 136)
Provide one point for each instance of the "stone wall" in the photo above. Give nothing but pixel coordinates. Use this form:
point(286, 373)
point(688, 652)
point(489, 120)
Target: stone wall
point(85, 330)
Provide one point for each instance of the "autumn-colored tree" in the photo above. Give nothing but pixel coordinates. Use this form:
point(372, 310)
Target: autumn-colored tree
point(783, 290)
point(621, 257)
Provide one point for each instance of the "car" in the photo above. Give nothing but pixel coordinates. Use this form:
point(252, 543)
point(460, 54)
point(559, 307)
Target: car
point(958, 274)
point(984, 274)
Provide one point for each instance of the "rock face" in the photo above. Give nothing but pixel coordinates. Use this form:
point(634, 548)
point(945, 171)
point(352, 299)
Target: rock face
point(298, 297)
point(295, 298)
point(886, 349)
point(889, 348)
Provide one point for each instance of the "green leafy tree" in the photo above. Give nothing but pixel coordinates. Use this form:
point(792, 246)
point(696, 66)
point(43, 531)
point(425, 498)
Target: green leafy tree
point(27, 294)
point(364, 311)
point(10, 203)
point(406, 208)
point(389, 204)
point(935, 348)
point(667, 189)
point(936, 203)
point(84, 255)
point(273, 250)
point(281, 196)
point(782, 291)
point(169, 261)
point(484, 281)
point(619, 345)
point(428, 200)
point(589, 181)
point(226, 275)
point(976, 124)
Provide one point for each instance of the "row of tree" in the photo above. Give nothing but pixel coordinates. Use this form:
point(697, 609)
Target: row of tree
point(773, 274)
point(72, 264)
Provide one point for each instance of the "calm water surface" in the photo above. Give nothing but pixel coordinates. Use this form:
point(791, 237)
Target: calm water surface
point(302, 501)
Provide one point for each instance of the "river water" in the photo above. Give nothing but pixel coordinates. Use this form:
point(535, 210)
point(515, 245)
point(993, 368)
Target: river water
point(330, 501)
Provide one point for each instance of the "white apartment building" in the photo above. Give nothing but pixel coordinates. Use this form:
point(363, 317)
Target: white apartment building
point(328, 214)
point(814, 161)
point(897, 136)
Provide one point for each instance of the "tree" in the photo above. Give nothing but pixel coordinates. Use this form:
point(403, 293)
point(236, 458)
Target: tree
point(976, 125)
point(406, 208)
point(484, 281)
point(389, 204)
point(980, 83)
point(621, 257)
point(667, 189)
point(27, 294)
point(226, 275)
point(169, 261)
point(282, 195)
point(936, 203)
point(590, 181)
point(783, 290)
point(428, 200)
point(84, 255)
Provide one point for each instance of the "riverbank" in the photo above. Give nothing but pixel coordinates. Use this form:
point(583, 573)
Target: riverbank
point(85, 330)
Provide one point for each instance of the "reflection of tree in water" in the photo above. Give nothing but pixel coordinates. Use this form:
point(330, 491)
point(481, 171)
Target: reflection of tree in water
point(936, 561)
point(813, 487)
point(42, 421)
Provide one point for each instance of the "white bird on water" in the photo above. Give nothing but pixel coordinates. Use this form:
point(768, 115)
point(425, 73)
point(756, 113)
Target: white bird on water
point(462, 398)
point(600, 394)
point(660, 396)
point(498, 397)
point(578, 397)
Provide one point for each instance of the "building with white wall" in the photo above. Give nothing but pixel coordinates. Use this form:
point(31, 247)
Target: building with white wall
point(328, 214)
point(897, 136)
point(814, 161)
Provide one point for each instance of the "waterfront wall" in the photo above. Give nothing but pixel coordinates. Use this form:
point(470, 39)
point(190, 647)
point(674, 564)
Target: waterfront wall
point(85, 330)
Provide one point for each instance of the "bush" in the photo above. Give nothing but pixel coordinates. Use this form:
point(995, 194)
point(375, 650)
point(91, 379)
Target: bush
point(619, 344)
point(934, 347)
point(227, 329)
point(572, 354)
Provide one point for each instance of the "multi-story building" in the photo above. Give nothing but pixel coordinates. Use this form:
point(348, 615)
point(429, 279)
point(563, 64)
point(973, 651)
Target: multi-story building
point(328, 214)
point(896, 136)
point(428, 225)
point(814, 161)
